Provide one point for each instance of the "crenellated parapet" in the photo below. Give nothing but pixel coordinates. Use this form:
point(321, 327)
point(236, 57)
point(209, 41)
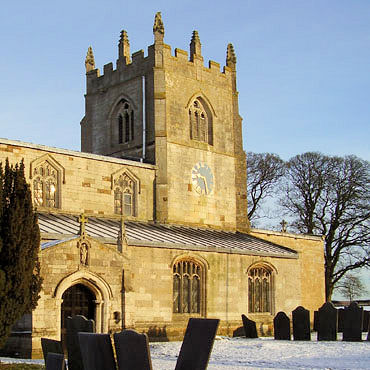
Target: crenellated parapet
point(159, 55)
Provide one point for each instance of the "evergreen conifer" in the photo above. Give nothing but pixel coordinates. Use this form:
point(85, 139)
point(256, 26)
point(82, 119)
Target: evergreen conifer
point(20, 280)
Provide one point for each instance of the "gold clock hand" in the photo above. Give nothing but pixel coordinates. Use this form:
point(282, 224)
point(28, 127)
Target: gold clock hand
point(205, 183)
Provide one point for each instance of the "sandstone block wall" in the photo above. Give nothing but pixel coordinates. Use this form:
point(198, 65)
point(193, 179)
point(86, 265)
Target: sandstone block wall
point(86, 182)
point(311, 266)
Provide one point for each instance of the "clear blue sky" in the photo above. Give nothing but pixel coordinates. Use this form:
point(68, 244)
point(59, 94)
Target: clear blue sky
point(303, 66)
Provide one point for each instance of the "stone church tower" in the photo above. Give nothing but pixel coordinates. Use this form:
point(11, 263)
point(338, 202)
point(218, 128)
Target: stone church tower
point(173, 112)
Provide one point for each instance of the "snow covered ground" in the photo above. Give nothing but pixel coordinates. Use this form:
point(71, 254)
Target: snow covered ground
point(265, 353)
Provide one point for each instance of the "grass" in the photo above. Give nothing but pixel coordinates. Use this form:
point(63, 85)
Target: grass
point(20, 367)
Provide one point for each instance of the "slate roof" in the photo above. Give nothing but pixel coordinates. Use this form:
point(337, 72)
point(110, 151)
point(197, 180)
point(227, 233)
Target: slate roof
point(63, 227)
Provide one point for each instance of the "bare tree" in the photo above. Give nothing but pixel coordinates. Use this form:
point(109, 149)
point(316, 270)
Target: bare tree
point(264, 171)
point(330, 196)
point(351, 287)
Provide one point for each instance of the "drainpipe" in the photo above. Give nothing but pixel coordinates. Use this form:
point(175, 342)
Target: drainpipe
point(227, 294)
point(123, 302)
point(144, 120)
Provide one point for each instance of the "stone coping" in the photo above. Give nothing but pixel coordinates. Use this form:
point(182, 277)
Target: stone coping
point(75, 153)
point(288, 235)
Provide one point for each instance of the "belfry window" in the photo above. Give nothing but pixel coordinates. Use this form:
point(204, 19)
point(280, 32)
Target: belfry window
point(200, 121)
point(187, 287)
point(260, 290)
point(124, 195)
point(45, 186)
point(120, 129)
point(125, 123)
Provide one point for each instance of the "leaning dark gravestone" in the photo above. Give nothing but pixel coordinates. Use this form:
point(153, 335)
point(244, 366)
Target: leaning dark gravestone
point(366, 321)
point(249, 327)
point(55, 361)
point(327, 322)
point(197, 344)
point(75, 325)
point(96, 351)
point(352, 326)
point(132, 350)
point(301, 324)
point(51, 345)
point(281, 326)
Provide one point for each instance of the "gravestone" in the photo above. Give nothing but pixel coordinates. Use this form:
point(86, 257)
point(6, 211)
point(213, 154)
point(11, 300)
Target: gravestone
point(340, 320)
point(197, 344)
point(249, 327)
point(132, 350)
point(352, 325)
point(96, 351)
point(55, 361)
point(281, 326)
point(301, 324)
point(365, 323)
point(51, 345)
point(368, 333)
point(327, 322)
point(75, 325)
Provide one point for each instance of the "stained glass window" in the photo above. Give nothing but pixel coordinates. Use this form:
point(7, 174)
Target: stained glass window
point(187, 290)
point(124, 195)
point(259, 290)
point(46, 186)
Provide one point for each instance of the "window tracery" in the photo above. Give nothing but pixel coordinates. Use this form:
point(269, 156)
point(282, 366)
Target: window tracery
point(200, 121)
point(260, 290)
point(125, 122)
point(124, 195)
point(46, 185)
point(187, 287)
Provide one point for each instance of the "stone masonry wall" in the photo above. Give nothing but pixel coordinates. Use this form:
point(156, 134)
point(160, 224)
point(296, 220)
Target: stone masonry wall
point(87, 185)
point(311, 265)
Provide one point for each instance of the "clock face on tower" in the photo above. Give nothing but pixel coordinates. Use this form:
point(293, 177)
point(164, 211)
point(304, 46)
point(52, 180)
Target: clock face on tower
point(202, 178)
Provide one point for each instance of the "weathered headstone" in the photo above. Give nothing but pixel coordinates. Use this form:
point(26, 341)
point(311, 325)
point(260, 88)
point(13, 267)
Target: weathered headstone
point(96, 351)
point(352, 329)
point(340, 320)
point(132, 350)
point(301, 324)
point(327, 322)
point(249, 327)
point(55, 361)
point(281, 326)
point(197, 344)
point(366, 321)
point(51, 345)
point(75, 325)
point(239, 332)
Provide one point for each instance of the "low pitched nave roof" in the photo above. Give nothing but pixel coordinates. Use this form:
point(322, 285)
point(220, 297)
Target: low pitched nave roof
point(63, 227)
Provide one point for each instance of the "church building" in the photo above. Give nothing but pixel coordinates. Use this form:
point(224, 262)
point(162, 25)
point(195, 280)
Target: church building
point(147, 226)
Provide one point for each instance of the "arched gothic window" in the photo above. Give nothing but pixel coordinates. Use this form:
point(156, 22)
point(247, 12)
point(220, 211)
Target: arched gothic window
point(124, 195)
point(187, 287)
point(200, 121)
point(125, 122)
point(45, 185)
point(260, 290)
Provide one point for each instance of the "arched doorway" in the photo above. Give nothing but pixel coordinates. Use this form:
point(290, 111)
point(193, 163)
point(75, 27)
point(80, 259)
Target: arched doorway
point(77, 300)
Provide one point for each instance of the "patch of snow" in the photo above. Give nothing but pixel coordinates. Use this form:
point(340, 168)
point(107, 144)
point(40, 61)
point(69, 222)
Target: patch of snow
point(264, 353)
